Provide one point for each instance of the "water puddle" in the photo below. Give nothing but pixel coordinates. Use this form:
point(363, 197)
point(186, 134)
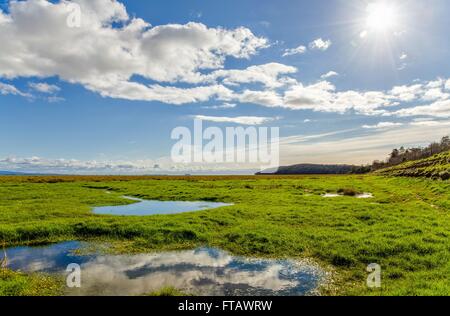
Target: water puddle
point(332, 195)
point(153, 207)
point(364, 196)
point(358, 196)
point(203, 271)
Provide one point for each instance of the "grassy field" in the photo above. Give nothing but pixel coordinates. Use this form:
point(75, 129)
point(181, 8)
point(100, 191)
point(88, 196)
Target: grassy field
point(405, 228)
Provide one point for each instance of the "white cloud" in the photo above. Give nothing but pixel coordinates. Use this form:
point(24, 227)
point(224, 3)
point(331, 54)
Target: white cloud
point(407, 93)
point(44, 87)
point(294, 51)
point(267, 74)
point(447, 85)
point(403, 56)
point(435, 94)
point(320, 44)
point(244, 120)
point(265, 98)
point(438, 83)
point(382, 125)
point(437, 109)
point(89, 54)
point(10, 89)
point(329, 75)
point(173, 95)
point(316, 97)
point(367, 103)
point(323, 97)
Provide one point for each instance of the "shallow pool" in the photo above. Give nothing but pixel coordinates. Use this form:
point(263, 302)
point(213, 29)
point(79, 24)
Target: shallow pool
point(203, 271)
point(153, 207)
point(358, 196)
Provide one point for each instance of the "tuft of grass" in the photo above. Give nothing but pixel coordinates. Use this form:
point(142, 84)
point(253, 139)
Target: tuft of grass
point(348, 192)
point(167, 291)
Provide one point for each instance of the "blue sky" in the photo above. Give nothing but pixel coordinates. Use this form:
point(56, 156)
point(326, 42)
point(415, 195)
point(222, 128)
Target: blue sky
point(345, 81)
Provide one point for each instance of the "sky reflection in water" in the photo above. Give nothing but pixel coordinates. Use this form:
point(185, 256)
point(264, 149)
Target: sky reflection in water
point(153, 207)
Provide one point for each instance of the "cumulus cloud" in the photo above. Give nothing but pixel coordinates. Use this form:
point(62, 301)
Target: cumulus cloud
point(266, 98)
point(90, 54)
point(317, 97)
point(435, 94)
point(323, 96)
point(294, 51)
point(244, 120)
point(267, 74)
point(320, 44)
point(407, 93)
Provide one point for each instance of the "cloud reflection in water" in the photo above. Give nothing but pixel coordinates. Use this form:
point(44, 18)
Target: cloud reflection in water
point(203, 271)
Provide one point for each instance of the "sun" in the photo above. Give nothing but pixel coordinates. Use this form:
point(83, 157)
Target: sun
point(381, 16)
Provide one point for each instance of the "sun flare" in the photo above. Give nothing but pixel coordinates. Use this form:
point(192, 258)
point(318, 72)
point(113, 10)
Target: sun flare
point(381, 16)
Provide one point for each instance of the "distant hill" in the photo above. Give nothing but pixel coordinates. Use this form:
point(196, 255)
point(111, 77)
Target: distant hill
point(7, 173)
point(437, 167)
point(316, 169)
point(13, 173)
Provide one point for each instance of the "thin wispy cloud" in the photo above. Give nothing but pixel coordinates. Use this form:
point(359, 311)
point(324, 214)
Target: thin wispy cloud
point(295, 51)
point(221, 106)
point(44, 87)
point(383, 125)
point(6, 89)
point(244, 120)
point(329, 75)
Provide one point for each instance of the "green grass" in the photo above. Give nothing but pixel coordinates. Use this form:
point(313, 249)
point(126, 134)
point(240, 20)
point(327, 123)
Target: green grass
point(167, 291)
point(19, 284)
point(405, 228)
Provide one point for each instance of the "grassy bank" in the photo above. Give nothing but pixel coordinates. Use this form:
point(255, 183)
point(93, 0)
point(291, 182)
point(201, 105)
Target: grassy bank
point(436, 167)
point(405, 228)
